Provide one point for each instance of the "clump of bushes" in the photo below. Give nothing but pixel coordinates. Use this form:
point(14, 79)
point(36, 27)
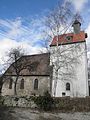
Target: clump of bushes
point(16, 98)
point(44, 102)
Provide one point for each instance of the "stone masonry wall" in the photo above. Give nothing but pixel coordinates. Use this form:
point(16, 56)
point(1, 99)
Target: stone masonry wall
point(72, 104)
point(12, 101)
point(63, 103)
point(43, 85)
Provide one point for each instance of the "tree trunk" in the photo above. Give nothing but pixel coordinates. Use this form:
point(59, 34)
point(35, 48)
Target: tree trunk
point(55, 83)
point(15, 86)
point(0, 89)
point(1, 84)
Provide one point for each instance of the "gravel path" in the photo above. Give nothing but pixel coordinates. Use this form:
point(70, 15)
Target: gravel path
point(28, 114)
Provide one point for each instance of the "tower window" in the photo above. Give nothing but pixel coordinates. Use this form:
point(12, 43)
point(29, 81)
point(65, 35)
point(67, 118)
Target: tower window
point(22, 84)
point(10, 83)
point(69, 38)
point(36, 84)
point(67, 86)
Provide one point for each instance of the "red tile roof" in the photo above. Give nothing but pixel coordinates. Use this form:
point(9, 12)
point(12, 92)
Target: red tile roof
point(69, 38)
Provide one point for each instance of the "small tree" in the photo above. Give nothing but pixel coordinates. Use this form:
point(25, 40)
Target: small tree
point(17, 66)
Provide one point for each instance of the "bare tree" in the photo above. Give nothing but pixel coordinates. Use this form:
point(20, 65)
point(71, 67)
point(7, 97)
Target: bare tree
point(3, 68)
point(15, 55)
point(59, 22)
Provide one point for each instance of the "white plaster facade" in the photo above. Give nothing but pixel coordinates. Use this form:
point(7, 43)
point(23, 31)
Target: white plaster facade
point(69, 66)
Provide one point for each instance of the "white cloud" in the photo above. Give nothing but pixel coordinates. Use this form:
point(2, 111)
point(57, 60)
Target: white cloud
point(18, 32)
point(21, 30)
point(7, 44)
point(78, 4)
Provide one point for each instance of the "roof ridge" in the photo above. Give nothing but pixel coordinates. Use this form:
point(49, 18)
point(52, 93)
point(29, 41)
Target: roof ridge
point(35, 54)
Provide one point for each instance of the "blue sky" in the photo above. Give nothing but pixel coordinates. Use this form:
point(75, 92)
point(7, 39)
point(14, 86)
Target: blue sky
point(21, 22)
point(24, 8)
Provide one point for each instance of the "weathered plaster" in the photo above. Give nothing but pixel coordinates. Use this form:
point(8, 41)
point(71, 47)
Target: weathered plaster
point(78, 74)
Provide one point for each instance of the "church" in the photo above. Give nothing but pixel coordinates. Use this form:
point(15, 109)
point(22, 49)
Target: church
point(62, 71)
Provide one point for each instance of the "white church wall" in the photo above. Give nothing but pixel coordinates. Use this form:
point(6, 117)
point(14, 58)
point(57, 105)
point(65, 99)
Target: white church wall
point(75, 73)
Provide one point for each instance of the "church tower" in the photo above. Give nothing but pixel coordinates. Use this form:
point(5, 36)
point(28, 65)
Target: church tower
point(69, 61)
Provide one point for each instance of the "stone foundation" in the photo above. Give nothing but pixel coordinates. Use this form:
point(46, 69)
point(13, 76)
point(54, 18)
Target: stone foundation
point(13, 101)
point(63, 103)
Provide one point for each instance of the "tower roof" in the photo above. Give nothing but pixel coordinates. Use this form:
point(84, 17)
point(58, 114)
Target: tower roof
point(76, 22)
point(69, 38)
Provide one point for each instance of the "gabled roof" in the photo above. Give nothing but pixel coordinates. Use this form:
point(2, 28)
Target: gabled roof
point(69, 38)
point(35, 65)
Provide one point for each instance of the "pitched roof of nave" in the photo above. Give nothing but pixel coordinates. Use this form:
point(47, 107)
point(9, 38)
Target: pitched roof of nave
point(38, 64)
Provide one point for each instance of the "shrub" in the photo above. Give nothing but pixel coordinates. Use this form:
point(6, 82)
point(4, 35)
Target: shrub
point(16, 98)
point(44, 102)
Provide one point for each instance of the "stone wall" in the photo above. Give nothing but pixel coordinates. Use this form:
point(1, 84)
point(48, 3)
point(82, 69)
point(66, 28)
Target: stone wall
point(72, 104)
point(12, 101)
point(63, 103)
point(43, 85)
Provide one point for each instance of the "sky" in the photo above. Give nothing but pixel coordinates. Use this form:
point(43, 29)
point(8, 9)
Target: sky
point(21, 23)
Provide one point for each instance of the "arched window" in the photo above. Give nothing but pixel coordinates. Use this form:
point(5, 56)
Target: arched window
point(36, 84)
point(10, 83)
point(22, 84)
point(67, 86)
